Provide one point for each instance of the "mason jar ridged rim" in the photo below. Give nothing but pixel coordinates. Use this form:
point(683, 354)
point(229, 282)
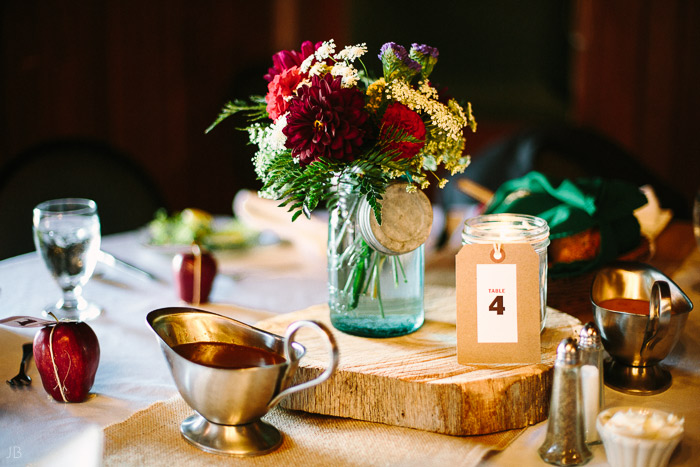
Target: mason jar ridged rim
point(67, 206)
point(364, 219)
point(506, 228)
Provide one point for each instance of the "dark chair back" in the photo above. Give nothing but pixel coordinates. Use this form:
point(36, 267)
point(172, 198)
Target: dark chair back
point(126, 196)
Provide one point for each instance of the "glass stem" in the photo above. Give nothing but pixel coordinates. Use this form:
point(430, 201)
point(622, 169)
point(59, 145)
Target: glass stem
point(71, 298)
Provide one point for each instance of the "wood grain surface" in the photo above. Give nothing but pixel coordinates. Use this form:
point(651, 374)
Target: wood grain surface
point(415, 381)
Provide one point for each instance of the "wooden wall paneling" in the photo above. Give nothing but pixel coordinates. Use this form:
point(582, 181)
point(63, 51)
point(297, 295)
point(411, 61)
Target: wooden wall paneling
point(660, 93)
point(146, 89)
point(617, 69)
point(50, 73)
point(636, 79)
point(684, 138)
point(227, 52)
point(71, 51)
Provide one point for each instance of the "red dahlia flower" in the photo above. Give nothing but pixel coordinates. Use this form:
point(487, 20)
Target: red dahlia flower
point(325, 120)
point(285, 59)
point(280, 90)
point(399, 118)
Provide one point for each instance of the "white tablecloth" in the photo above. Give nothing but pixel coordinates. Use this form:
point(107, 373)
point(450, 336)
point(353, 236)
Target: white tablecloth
point(132, 374)
point(255, 284)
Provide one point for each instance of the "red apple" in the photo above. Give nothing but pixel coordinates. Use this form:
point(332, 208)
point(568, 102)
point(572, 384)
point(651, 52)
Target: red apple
point(194, 275)
point(67, 354)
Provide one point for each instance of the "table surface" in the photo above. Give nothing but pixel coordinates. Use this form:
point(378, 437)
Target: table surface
point(253, 284)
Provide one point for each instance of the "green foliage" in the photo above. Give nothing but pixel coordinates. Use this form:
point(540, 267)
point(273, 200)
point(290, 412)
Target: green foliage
point(255, 110)
point(302, 189)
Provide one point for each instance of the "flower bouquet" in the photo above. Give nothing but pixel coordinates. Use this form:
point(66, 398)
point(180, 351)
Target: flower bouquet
point(327, 131)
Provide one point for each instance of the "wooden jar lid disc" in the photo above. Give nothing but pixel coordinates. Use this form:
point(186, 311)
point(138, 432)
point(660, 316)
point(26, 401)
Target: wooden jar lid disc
point(407, 218)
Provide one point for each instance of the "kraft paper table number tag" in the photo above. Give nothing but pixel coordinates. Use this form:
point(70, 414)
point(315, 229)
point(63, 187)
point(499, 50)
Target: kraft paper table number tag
point(498, 304)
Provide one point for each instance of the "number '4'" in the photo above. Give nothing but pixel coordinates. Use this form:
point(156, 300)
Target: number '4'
point(497, 305)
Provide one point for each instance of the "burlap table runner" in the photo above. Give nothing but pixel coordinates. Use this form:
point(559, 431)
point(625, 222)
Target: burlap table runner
point(152, 437)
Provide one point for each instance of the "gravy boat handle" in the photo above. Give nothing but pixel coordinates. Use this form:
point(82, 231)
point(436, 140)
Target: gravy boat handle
point(333, 353)
point(659, 315)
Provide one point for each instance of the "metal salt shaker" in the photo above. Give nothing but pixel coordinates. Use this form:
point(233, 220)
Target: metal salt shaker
point(591, 358)
point(565, 442)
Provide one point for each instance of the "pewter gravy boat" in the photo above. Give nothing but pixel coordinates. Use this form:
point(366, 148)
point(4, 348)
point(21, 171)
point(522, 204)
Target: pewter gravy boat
point(637, 343)
point(229, 403)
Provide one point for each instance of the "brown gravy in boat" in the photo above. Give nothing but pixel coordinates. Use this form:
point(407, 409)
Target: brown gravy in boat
point(227, 355)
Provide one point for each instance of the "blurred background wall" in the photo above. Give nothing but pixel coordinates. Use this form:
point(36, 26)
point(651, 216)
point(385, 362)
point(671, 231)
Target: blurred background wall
point(147, 77)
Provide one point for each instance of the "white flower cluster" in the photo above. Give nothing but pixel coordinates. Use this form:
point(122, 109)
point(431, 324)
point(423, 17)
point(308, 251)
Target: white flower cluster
point(351, 52)
point(348, 72)
point(315, 64)
point(450, 118)
point(270, 142)
point(326, 50)
point(319, 68)
point(276, 138)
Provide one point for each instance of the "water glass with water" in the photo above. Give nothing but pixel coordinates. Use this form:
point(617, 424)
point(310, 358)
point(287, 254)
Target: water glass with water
point(67, 237)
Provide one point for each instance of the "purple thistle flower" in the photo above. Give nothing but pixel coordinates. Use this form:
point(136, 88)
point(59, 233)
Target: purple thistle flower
point(398, 50)
point(425, 55)
point(397, 63)
point(425, 50)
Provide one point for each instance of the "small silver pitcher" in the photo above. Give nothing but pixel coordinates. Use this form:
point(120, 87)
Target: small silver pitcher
point(637, 343)
point(228, 402)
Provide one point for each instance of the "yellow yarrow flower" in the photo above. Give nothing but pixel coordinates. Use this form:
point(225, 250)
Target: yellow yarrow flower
point(375, 92)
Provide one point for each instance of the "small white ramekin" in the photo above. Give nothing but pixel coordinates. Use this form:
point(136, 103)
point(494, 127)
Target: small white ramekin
point(634, 449)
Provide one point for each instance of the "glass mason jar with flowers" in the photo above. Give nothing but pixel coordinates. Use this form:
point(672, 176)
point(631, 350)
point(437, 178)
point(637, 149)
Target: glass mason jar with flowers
point(326, 131)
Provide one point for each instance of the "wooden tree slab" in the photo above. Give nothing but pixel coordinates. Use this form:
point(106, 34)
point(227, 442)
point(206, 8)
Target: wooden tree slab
point(415, 381)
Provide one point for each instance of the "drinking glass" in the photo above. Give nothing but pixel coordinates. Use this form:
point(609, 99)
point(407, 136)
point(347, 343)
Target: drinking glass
point(67, 237)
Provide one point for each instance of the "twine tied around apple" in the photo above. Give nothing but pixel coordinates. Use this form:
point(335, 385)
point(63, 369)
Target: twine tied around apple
point(194, 273)
point(197, 273)
point(77, 342)
point(61, 386)
point(72, 350)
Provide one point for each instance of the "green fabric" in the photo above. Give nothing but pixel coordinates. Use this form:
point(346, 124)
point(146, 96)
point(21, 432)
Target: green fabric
point(572, 206)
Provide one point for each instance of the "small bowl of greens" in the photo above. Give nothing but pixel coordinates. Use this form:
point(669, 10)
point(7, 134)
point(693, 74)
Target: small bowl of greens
point(170, 233)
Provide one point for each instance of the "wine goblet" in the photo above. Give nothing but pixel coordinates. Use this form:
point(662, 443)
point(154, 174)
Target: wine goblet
point(67, 237)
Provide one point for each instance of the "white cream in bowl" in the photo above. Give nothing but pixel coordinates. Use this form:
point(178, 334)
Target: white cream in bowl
point(639, 437)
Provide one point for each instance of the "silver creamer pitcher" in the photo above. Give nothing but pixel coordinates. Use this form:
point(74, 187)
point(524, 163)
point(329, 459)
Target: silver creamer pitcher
point(229, 402)
point(638, 342)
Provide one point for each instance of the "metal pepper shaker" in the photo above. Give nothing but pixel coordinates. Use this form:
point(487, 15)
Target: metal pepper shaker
point(591, 357)
point(565, 442)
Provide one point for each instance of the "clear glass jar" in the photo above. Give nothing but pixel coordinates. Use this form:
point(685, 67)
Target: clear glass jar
point(513, 228)
point(371, 293)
